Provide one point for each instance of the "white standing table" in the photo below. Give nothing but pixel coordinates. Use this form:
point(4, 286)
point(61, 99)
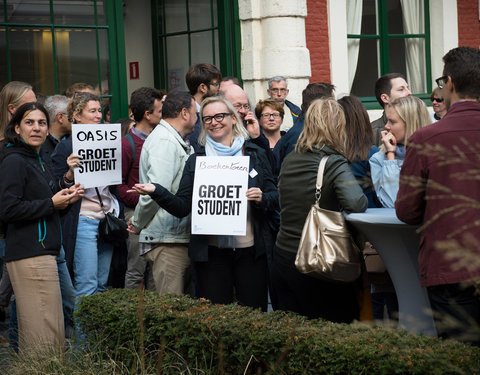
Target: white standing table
point(397, 243)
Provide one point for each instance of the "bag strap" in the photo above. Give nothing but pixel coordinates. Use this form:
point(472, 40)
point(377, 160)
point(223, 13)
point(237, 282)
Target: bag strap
point(321, 170)
point(100, 199)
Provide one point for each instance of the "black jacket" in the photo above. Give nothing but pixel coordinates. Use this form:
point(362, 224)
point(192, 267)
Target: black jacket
point(180, 205)
point(26, 189)
point(47, 150)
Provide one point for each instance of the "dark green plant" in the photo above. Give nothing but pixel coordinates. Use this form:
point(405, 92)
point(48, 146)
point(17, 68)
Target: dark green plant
point(231, 339)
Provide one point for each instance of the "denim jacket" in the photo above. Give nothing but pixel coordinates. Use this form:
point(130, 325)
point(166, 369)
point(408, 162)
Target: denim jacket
point(386, 176)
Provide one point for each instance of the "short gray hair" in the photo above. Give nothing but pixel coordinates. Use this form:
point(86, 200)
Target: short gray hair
point(276, 79)
point(56, 104)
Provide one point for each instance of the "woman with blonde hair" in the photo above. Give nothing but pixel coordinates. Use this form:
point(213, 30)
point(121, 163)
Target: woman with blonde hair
point(323, 135)
point(227, 268)
point(12, 96)
point(404, 117)
point(88, 257)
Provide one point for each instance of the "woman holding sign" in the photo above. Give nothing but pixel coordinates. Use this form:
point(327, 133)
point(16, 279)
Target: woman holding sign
point(31, 201)
point(88, 256)
point(228, 268)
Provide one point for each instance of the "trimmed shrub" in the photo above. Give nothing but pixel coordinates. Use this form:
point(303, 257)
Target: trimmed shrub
point(231, 339)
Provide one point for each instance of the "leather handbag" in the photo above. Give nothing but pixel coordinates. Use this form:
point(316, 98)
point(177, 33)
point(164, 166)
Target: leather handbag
point(111, 229)
point(327, 250)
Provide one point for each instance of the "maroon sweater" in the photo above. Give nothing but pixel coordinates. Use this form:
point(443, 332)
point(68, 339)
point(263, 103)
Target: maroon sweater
point(438, 189)
point(130, 199)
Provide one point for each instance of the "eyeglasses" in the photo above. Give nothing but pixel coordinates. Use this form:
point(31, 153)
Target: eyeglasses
point(216, 84)
point(267, 116)
point(239, 106)
point(438, 100)
point(219, 117)
point(282, 90)
point(441, 81)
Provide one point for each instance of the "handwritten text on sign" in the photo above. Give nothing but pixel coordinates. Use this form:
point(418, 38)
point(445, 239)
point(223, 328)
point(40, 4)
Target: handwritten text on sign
point(219, 204)
point(100, 149)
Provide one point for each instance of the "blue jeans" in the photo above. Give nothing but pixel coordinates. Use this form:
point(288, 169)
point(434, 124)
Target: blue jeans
point(67, 289)
point(91, 262)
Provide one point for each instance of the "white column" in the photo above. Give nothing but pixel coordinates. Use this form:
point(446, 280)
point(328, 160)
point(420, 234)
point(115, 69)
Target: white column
point(443, 32)
point(273, 44)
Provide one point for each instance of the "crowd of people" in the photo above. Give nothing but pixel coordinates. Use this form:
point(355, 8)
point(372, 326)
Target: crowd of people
point(53, 254)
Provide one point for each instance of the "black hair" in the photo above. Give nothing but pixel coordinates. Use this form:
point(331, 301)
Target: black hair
point(175, 102)
point(316, 90)
point(201, 73)
point(10, 136)
point(462, 64)
point(142, 100)
point(383, 85)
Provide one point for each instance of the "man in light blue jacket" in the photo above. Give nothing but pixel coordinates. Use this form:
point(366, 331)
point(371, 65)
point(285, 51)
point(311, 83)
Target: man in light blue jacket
point(164, 238)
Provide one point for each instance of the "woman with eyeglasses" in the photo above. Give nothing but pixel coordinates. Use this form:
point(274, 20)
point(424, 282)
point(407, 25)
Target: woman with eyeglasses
point(404, 117)
point(227, 268)
point(271, 114)
point(438, 104)
point(88, 257)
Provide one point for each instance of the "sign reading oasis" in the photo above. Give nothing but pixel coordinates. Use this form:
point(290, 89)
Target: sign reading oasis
point(100, 149)
point(219, 203)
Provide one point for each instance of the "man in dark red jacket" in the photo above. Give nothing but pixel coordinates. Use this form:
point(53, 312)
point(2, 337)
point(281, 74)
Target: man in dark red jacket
point(440, 189)
point(146, 105)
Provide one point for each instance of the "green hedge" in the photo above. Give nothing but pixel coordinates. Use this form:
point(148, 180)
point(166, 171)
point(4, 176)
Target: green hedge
point(233, 339)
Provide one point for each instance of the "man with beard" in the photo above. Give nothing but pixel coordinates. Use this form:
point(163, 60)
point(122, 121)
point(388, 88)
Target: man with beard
point(440, 189)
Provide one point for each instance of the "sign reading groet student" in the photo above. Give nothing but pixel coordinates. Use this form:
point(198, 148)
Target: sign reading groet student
point(100, 149)
point(219, 203)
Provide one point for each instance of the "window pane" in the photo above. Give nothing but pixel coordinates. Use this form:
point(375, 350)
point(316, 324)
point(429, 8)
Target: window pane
point(177, 56)
point(76, 57)
point(175, 16)
point(396, 49)
point(367, 69)
point(394, 14)
point(413, 17)
point(28, 11)
point(216, 58)
point(32, 58)
point(104, 67)
point(3, 58)
point(407, 56)
point(202, 51)
point(369, 17)
point(200, 14)
point(78, 12)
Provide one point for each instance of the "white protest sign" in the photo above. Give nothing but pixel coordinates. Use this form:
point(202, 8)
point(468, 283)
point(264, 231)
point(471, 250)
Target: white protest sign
point(219, 203)
point(100, 149)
